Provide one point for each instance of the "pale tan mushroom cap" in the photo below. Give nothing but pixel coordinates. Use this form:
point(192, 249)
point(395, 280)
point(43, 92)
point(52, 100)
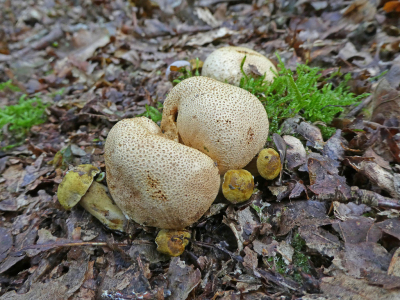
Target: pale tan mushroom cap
point(225, 122)
point(224, 64)
point(155, 181)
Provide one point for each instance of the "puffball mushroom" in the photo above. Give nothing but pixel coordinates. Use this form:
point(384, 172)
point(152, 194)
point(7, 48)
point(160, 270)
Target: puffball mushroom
point(269, 163)
point(155, 181)
point(238, 186)
point(224, 65)
point(225, 122)
point(172, 242)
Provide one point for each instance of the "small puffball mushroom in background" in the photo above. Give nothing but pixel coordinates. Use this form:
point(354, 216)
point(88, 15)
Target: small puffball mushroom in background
point(269, 163)
point(172, 242)
point(238, 186)
point(224, 65)
point(225, 122)
point(295, 152)
point(155, 181)
point(173, 69)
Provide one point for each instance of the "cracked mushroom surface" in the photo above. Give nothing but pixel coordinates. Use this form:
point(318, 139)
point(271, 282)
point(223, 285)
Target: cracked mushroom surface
point(155, 181)
point(225, 122)
point(224, 65)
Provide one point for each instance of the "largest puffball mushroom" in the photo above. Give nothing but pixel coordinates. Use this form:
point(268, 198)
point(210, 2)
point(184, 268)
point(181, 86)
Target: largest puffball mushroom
point(224, 65)
point(225, 122)
point(155, 181)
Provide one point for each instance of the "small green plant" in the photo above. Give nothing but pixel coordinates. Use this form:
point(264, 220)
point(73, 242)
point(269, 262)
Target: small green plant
point(185, 73)
point(259, 210)
point(21, 117)
point(62, 158)
point(289, 95)
point(153, 113)
point(8, 85)
point(300, 260)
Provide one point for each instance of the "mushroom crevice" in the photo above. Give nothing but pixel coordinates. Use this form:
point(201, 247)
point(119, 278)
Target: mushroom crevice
point(156, 181)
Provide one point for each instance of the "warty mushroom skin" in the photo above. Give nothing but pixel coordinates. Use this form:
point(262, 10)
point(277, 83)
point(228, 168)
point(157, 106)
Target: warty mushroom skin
point(155, 181)
point(224, 64)
point(225, 122)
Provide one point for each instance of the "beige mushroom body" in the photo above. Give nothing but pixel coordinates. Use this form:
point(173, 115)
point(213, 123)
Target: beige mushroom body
point(224, 64)
point(225, 122)
point(155, 181)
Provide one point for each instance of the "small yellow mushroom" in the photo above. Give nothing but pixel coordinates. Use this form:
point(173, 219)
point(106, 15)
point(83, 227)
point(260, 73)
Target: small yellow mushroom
point(75, 185)
point(172, 242)
point(269, 163)
point(99, 204)
point(238, 185)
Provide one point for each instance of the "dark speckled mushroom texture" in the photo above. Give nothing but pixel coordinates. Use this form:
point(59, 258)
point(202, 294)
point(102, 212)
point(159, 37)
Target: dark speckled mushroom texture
point(225, 122)
point(224, 65)
point(155, 181)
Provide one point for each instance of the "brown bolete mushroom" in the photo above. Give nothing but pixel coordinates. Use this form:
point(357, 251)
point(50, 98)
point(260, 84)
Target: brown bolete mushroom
point(156, 181)
point(75, 185)
point(78, 185)
point(227, 123)
point(224, 65)
point(100, 205)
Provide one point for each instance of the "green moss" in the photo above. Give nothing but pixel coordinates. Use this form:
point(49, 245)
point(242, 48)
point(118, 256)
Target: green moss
point(21, 117)
point(300, 260)
point(279, 263)
point(8, 85)
point(305, 92)
point(153, 113)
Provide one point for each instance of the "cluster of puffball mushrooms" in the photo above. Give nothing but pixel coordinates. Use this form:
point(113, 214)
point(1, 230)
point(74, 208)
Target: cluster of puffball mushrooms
point(168, 176)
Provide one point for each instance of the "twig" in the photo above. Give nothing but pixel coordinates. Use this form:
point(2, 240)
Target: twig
point(355, 111)
point(79, 243)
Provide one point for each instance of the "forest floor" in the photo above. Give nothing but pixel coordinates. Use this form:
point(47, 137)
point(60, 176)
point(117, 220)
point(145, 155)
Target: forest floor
point(327, 230)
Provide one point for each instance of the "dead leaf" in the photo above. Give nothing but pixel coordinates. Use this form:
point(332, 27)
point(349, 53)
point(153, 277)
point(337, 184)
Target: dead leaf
point(177, 271)
point(300, 213)
point(354, 230)
point(394, 267)
point(250, 260)
point(342, 286)
point(362, 256)
point(392, 6)
point(6, 243)
point(385, 103)
point(320, 240)
point(207, 37)
point(360, 10)
point(388, 282)
point(61, 288)
point(324, 177)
